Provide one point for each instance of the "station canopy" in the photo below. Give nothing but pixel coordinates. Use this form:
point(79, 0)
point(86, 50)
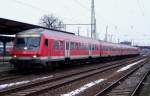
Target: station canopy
point(10, 27)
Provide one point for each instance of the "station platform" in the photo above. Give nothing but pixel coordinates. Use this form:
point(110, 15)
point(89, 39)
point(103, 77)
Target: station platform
point(4, 64)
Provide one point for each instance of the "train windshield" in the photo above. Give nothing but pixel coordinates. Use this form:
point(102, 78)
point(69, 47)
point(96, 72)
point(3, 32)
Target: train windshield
point(27, 43)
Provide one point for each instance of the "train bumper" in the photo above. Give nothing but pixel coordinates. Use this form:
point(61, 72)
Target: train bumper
point(27, 60)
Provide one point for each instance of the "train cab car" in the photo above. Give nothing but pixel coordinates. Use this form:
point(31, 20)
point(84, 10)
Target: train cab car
point(27, 48)
point(40, 47)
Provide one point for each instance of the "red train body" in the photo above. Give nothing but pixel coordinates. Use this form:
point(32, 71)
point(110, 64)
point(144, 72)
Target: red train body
point(41, 47)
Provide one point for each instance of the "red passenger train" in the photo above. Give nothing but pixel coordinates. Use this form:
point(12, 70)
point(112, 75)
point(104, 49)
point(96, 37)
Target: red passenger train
point(43, 47)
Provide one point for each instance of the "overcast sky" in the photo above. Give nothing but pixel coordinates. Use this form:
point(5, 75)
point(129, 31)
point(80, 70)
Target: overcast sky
point(127, 20)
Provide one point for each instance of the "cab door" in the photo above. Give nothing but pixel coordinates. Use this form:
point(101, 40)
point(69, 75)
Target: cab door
point(46, 43)
point(67, 49)
point(90, 53)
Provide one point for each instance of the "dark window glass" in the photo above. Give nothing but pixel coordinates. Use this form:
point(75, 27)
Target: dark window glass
point(82, 46)
point(67, 45)
point(96, 47)
point(27, 43)
point(76, 46)
point(56, 44)
point(92, 47)
point(72, 46)
point(46, 42)
point(61, 45)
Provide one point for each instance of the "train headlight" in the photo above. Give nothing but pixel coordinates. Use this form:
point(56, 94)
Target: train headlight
point(15, 56)
point(25, 48)
point(34, 56)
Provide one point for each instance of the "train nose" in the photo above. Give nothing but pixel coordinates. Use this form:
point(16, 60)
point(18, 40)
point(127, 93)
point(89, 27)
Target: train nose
point(34, 56)
point(14, 56)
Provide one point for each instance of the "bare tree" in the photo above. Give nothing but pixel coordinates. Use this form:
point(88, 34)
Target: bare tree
point(50, 21)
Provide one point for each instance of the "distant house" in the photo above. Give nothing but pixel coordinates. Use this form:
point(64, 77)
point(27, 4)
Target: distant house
point(9, 47)
point(126, 43)
point(144, 49)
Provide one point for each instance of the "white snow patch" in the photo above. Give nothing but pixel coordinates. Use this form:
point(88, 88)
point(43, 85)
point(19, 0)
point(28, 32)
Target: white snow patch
point(129, 66)
point(82, 88)
point(2, 86)
point(41, 78)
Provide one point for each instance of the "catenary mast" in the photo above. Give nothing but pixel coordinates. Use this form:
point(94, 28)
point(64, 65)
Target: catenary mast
point(93, 21)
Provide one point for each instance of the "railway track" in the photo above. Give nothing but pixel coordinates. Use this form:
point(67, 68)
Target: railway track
point(42, 85)
point(144, 88)
point(9, 75)
point(127, 85)
point(14, 74)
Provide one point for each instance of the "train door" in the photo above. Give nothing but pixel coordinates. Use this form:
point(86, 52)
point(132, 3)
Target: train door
point(100, 50)
point(90, 50)
point(46, 47)
point(67, 49)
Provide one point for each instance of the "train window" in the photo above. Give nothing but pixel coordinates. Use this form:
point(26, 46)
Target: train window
point(67, 45)
point(82, 46)
point(92, 47)
point(96, 47)
point(104, 48)
point(61, 45)
point(46, 42)
point(32, 43)
point(79, 46)
point(56, 44)
point(72, 46)
point(76, 45)
point(87, 47)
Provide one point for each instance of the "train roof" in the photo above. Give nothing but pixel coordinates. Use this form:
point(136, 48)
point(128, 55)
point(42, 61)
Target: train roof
point(40, 31)
point(71, 37)
point(54, 33)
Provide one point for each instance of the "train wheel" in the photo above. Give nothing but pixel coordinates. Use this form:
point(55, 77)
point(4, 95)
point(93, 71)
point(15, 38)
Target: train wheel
point(50, 66)
point(18, 67)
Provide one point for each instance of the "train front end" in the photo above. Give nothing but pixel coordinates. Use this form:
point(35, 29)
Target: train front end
point(26, 50)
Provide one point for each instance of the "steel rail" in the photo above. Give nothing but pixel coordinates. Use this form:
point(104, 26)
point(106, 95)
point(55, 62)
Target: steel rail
point(140, 83)
point(101, 93)
point(70, 79)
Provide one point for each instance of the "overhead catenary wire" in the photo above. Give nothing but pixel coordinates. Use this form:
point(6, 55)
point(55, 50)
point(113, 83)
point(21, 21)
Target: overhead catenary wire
point(36, 8)
point(140, 7)
point(88, 9)
point(31, 6)
point(46, 11)
point(80, 4)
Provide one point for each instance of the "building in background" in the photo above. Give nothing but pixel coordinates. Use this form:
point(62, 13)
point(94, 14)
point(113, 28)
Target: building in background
point(126, 43)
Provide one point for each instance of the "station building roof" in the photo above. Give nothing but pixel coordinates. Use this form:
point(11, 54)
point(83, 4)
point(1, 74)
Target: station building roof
point(11, 27)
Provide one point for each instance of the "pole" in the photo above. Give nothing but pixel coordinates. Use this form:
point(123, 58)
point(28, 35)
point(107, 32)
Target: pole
point(106, 34)
point(78, 31)
point(4, 50)
point(93, 21)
